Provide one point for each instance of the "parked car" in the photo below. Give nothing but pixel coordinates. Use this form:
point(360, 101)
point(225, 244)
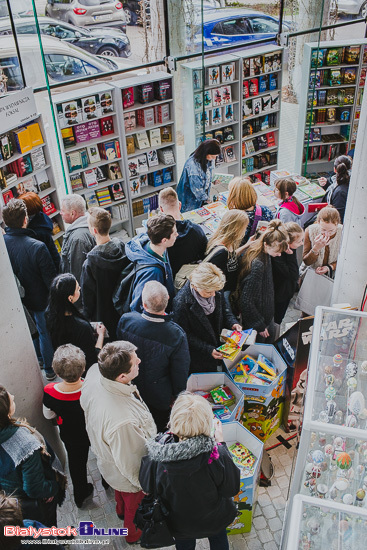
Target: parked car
point(64, 62)
point(132, 9)
point(100, 41)
point(226, 26)
point(85, 13)
point(20, 8)
point(351, 7)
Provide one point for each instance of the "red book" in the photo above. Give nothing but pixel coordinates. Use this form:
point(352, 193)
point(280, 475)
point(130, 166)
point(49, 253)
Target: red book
point(128, 97)
point(107, 126)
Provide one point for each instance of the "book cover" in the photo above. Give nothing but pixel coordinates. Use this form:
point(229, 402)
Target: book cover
point(93, 128)
point(161, 113)
point(213, 75)
point(228, 113)
point(163, 90)
point(71, 114)
point(91, 199)
point(216, 115)
point(130, 121)
point(268, 63)
point(155, 137)
point(142, 163)
point(217, 97)
point(38, 159)
point(146, 93)
point(266, 103)
point(246, 68)
point(106, 103)
point(117, 191)
point(228, 72)
point(114, 171)
point(349, 75)
point(256, 66)
point(42, 180)
point(198, 101)
point(28, 184)
point(152, 158)
point(226, 94)
point(135, 187)
point(133, 168)
point(36, 134)
point(128, 97)
point(130, 147)
point(334, 56)
point(7, 196)
point(76, 182)
point(100, 173)
point(253, 86)
point(141, 140)
point(90, 107)
point(197, 79)
point(93, 154)
point(351, 54)
point(256, 106)
point(229, 154)
point(22, 139)
point(166, 134)
point(81, 133)
point(89, 178)
point(106, 125)
point(68, 137)
point(246, 90)
point(143, 180)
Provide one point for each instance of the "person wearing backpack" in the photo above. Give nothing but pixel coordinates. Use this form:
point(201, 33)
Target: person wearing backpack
point(243, 196)
point(290, 209)
point(148, 252)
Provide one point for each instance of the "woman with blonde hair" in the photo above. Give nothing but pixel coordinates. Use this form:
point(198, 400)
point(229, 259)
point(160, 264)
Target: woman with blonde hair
point(286, 271)
point(322, 243)
point(224, 247)
point(192, 471)
point(254, 296)
point(200, 309)
point(242, 195)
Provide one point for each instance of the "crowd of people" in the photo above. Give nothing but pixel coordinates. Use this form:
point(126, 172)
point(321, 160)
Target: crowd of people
point(122, 378)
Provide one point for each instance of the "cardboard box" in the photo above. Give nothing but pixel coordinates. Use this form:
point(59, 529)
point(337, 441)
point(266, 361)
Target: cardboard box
point(246, 499)
point(207, 381)
point(263, 405)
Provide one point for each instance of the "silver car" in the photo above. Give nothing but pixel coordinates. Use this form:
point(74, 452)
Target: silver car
point(102, 13)
point(352, 7)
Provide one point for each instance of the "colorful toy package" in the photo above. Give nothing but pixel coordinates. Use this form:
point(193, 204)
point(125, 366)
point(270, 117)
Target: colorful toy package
point(223, 413)
point(222, 395)
point(234, 340)
point(243, 458)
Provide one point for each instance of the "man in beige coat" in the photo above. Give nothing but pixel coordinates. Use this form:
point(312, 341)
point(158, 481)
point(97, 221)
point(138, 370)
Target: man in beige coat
point(118, 424)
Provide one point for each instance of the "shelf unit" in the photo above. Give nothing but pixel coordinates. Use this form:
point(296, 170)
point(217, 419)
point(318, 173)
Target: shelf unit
point(35, 161)
point(87, 120)
point(331, 459)
point(145, 170)
point(261, 88)
point(330, 103)
point(201, 101)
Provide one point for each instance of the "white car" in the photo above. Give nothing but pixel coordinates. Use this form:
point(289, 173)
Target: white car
point(64, 62)
point(352, 7)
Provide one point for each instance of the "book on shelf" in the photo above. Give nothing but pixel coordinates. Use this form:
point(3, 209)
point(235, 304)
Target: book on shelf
point(6, 147)
point(352, 53)
point(226, 94)
point(228, 113)
point(152, 158)
point(229, 153)
point(207, 98)
point(68, 137)
point(246, 90)
point(106, 102)
point(93, 129)
point(216, 116)
point(93, 154)
point(128, 97)
point(130, 146)
point(156, 178)
point(89, 178)
point(141, 140)
point(106, 125)
point(90, 107)
point(117, 191)
point(163, 90)
point(263, 83)
point(74, 161)
point(142, 163)
point(167, 174)
point(228, 134)
point(213, 75)
point(109, 150)
point(91, 199)
point(273, 81)
point(135, 187)
point(256, 106)
point(7, 196)
point(38, 159)
point(155, 137)
point(130, 121)
point(197, 79)
point(217, 97)
point(22, 166)
point(76, 182)
point(145, 93)
point(114, 171)
point(133, 167)
point(228, 72)
point(162, 113)
point(28, 184)
point(145, 117)
point(47, 205)
point(81, 133)
point(271, 139)
point(166, 134)
point(143, 180)
point(198, 101)
point(69, 113)
point(266, 103)
point(103, 197)
point(22, 140)
point(253, 87)
point(166, 155)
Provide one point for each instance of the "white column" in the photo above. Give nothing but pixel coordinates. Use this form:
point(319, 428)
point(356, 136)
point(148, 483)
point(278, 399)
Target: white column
point(351, 271)
point(20, 372)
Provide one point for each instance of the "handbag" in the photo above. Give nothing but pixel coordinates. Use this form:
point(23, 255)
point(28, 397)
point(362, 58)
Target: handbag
point(316, 290)
point(182, 276)
point(151, 518)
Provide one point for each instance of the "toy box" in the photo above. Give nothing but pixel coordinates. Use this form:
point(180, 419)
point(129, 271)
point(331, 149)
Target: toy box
point(207, 381)
point(263, 404)
point(245, 501)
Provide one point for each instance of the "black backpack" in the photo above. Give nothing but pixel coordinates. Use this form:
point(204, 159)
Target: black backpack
point(123, 293)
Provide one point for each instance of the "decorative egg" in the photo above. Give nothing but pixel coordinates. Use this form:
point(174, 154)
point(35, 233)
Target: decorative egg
point(343, 461)
point(323, 466)
point(330, 393)
point(337, 360)
point(352, 383)
point(323, 417)
point(348, 499)
point(316, 471)
point(338, 418)
point(338, 443)
point(364, 367)
point(328, 369)
point(360, 494)
point(329, 449)
point(309, 467)
point(356, 403)
point(342, 484)
point(329, 379)
point(317, 457)
point(351, 421)
point(351, 369)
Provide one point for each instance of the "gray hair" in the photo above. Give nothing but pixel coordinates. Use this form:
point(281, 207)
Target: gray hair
point(155, 296)
point(74, 202)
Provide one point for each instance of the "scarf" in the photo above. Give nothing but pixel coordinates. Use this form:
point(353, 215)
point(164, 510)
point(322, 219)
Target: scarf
point(208, 304)
point(20, 446)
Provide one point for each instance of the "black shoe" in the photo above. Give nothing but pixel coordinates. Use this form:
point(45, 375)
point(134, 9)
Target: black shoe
point(50, 376)
point(105, 485)
point(121, 516)
point(89, 491)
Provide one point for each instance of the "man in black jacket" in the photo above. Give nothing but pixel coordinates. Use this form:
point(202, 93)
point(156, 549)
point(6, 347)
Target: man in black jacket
point(33, 265)
point(163, 350)
point(101, 271)
point(190, 245)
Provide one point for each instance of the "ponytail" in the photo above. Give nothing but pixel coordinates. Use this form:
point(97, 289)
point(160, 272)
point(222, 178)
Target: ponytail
point(288, 185)
point(342, 174)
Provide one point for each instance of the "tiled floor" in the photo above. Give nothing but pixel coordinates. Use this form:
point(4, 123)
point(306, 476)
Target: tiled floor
point(268, 517)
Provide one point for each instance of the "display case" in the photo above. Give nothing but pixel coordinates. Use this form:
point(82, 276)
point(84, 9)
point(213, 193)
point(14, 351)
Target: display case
point(89, 134)
point(212, 106)
point(333, 78)
point(316, 526)
point(332, 458)
point(25, 163)
point(148, 138)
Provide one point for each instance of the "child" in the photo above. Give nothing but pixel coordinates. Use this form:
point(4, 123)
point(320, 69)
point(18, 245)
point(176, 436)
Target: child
point(286, 271)
point(62, 401)
point(290, 209)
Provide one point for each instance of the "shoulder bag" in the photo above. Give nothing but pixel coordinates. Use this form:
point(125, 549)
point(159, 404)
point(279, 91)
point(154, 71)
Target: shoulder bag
point(182, 276)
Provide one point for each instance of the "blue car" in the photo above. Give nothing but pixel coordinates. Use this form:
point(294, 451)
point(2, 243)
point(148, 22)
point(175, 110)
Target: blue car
point(227, 26)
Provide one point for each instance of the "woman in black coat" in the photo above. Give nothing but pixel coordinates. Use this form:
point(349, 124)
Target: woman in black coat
point(193, 474)
point(200, 309)
point(66, 324)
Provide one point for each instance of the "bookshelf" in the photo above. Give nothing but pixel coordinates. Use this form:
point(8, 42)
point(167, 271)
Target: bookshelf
point(148, 139)
point(89, 133)
point(334, 76)
point(25, 163)
point(212, 107)
point(261, 88)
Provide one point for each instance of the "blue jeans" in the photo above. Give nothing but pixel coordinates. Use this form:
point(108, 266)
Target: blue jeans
point(216, 542)
point(47, 351)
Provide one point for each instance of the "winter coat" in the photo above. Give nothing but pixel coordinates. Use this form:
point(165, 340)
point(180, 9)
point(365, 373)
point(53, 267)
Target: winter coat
point(32, 264)
point(164, 354)
point(195, 479)
point(227, 262)
point(338, 199)
point(327, 255)
point(23, 471)
point(41, 224)
point(189, 247)
point(285, 276)
point(256, 296)
point(194, 186)
point(289, 211)
point(76, 244)
point(266, 215)
point(156, 270)
point(100, 274)
point(202, 334)
point(118, 424)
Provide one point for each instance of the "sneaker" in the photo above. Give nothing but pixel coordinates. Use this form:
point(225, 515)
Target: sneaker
point(50, 376)
point(89, 491)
